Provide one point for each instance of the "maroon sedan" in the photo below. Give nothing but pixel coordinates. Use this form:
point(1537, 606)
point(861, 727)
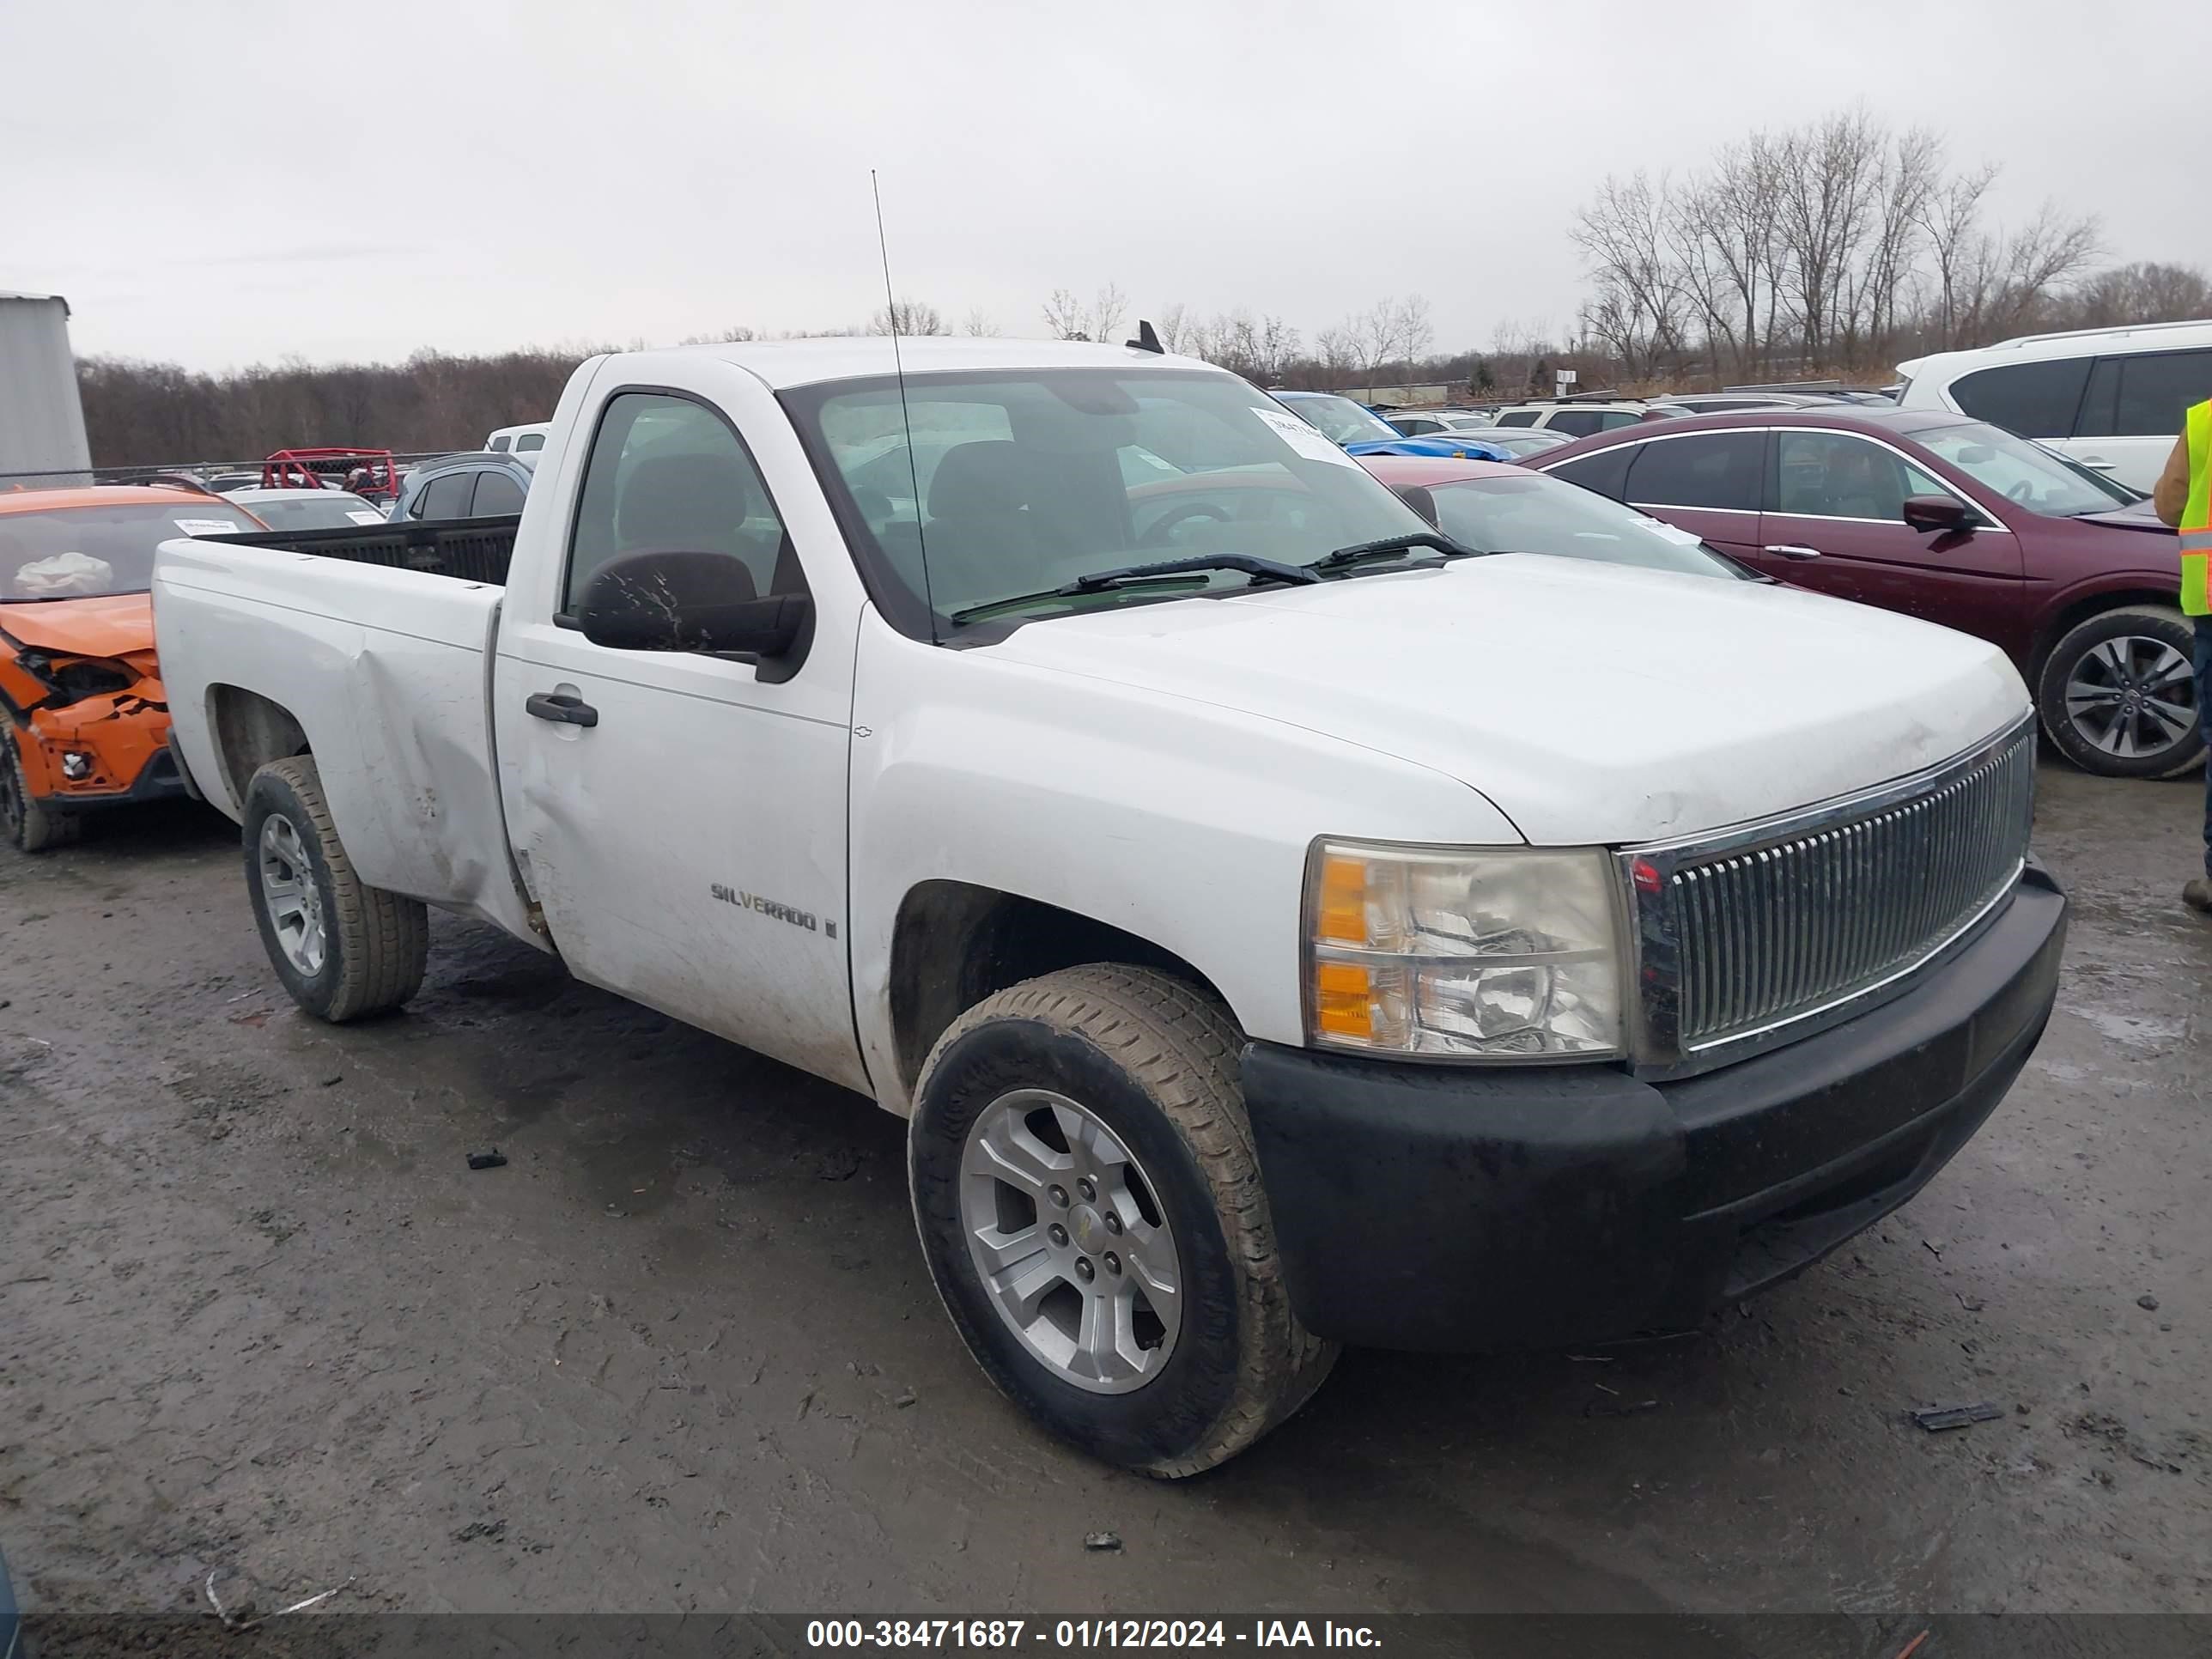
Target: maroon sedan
point(1948, 519)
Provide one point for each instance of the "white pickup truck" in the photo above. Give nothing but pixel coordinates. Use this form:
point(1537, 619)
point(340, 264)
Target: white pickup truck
point(1282, 926)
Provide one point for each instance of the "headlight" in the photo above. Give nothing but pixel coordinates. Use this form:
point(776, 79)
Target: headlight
point(1505, 954)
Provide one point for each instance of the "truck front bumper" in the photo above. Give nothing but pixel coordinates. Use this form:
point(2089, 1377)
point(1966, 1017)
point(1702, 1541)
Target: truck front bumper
point(1450, 1208)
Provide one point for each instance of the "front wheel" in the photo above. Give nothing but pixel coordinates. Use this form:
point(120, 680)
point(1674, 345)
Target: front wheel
point(30, 827)
point(1091, 1210)
point(2117, 694)
point(342, 948)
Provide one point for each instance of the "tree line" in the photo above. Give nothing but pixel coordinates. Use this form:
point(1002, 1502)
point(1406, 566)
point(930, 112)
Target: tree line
point(1837, 248)
point(1840, 246)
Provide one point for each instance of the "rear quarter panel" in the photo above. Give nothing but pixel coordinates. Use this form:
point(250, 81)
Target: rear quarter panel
point(384, 671)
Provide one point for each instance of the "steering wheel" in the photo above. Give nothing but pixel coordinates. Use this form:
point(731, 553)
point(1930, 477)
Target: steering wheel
point(2023, 492)
point(1157, 535)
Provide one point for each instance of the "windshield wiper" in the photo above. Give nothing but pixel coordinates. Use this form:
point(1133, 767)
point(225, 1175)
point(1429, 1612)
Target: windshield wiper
point(1396, 547)
point(1099, 581)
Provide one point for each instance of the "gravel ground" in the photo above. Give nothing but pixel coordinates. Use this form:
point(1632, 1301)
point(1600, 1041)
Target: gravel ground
point(256, 1315)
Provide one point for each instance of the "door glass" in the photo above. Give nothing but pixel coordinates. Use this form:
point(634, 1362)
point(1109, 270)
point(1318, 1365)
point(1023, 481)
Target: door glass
point(1607, 471)
point(1834, 475)
point(499, 445)
point(528, 443)
point(2101, 407)
point(497, 495)
point(2156, 391)
point(1614, 417)
point(1579, 421)
point(1518, 417)
point(667, 475)
point(1716, 470)
point(2037, 400)
point(446, 497)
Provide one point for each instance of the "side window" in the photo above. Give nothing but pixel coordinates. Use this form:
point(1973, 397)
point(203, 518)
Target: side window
point(528, 441)
point(446, 497)
point(1717, 470)
point(498, 445)
point(1607, 471)
point(1518, 417)
point(497, 495)
point(667, 475)
point(1613, 417)
point(2156, 390)
point(2037, 400)
point(1417, 427)
point(1834, 475)
point(1576, 422)
point(2101, 406)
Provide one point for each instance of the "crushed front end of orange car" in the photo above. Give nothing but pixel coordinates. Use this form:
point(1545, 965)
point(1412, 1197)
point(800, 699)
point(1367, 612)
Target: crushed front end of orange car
point(89, 731)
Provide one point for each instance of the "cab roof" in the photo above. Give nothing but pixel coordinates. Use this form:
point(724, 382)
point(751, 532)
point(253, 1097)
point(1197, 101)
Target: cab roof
point(781, 363)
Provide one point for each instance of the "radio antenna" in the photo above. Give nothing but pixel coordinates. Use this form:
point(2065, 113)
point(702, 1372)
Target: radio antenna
point(906, 418)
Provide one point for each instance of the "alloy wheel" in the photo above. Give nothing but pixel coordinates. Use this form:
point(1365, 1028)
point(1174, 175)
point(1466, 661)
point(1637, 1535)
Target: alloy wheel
point(2134, 698)
point(288, 892)
point(1066, 1233)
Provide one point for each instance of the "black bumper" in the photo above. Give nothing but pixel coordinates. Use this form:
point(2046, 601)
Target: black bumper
point(158, 780)
point(1448, 1208)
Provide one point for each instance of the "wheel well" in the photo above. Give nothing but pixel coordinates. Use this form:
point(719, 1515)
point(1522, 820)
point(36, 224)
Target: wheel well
point(249, 731)
point(2082, 609)
point(956, 944)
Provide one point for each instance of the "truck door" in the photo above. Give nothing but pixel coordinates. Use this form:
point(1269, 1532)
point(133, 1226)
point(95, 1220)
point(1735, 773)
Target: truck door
point(680, 820)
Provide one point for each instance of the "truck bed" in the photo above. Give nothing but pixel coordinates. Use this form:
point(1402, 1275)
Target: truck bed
point(468, 550)
point(377, 644)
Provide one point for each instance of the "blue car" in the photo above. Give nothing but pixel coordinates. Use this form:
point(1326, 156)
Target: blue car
point(1363, 432)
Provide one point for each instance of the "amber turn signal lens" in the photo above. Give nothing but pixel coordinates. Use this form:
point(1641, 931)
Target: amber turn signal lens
point(1344, 1000)
point(1341, 917)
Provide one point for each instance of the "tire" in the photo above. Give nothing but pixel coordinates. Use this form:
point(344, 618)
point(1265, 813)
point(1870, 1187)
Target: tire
point(372, 945)
point(2121, 653)
point(1152, 1061)
point(31, 827)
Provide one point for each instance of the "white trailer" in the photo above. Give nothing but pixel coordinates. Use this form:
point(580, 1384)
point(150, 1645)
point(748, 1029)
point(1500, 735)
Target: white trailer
point(42, 441)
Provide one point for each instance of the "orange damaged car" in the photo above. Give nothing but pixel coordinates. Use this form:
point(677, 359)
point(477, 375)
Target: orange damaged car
point(88, 719)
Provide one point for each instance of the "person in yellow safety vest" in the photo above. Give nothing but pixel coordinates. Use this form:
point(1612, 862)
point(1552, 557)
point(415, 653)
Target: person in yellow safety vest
point(2184, 500)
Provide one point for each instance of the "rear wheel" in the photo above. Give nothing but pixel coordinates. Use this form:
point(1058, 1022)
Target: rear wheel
point(30, 826)
point(1091, 1210)
point(343, 949)
point(2117, 694)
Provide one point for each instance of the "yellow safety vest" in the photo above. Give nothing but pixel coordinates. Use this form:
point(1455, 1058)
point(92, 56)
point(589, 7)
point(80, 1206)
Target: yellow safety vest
point(2196, 517)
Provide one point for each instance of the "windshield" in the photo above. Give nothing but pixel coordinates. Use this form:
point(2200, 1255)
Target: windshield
point(1031, 478)
point(1537, 514)
point(81, 552)
point(325, 509)
point(2015, 469)
point(1341, 418)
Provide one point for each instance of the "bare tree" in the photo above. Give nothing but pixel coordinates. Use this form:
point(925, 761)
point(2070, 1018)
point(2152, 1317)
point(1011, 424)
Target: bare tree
point(1067, 317)
point(977, 325)
point(1173, 325)
point(911, 317)
point(1624, 237)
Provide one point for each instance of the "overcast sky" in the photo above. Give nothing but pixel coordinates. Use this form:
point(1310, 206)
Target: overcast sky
point(223, 184)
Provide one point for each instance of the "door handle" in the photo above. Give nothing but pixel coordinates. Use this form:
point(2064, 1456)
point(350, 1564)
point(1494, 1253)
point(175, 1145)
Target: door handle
point(562, 708)
point(1795, 550)
point(2099, 466)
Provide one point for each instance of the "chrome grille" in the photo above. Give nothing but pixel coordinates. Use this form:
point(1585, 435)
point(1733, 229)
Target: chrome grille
point(1764, 927)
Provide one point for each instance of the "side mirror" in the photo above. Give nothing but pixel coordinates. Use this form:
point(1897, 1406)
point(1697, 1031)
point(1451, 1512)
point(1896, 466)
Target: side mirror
point(691, 602)
point(1937, 512)
point(1422, 499)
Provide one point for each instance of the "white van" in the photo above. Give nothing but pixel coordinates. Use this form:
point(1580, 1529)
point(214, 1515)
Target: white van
point(518, 439)
point(2110, 399)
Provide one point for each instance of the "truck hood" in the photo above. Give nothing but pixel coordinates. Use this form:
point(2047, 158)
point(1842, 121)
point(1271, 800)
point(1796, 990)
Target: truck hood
point(112, 625)
point(1590, 703)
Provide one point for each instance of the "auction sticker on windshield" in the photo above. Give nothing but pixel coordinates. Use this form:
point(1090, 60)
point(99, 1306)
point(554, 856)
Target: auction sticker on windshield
point(209, 526)
point(1314, 446)
point(366, 518)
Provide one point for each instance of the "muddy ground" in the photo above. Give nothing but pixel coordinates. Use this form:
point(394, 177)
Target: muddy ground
point(256, 1314)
